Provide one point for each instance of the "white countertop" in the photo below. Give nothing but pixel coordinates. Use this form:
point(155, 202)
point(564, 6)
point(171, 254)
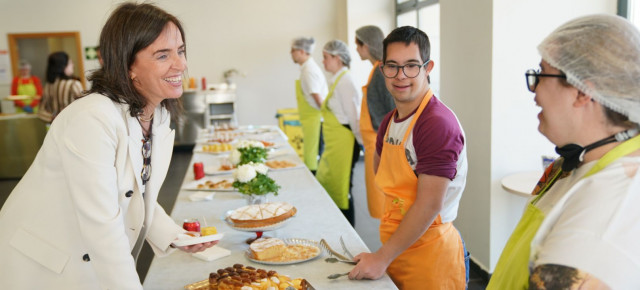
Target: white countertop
point(317, 217)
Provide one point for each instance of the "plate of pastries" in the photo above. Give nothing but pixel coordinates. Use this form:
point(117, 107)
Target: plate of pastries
point(247, 277)
point(274, 251)
point(211, 184)
point(260, 217)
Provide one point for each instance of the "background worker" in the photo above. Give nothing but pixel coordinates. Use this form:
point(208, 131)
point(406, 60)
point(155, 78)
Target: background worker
point(376, 103)
point(62, 86)
point(26, 85)
point(421, 167)
point(311, 88)
point(581, 228)
point(341, 114)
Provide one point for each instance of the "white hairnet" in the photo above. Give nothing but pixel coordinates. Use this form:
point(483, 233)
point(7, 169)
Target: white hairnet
point(372, 36)
point(304, 43)
point(600, 55)
point(24, 64)
point(340, 49)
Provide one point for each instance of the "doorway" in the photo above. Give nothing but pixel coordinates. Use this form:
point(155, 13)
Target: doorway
point(36, 47)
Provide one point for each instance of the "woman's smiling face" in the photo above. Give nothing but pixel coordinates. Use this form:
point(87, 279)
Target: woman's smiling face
point(158, 68)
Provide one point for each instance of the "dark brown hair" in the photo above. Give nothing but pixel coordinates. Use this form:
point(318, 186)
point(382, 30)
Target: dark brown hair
point(130, 28)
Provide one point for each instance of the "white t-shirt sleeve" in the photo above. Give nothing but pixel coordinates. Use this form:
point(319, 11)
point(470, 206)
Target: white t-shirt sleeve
point(595, 227)
point(350, 101)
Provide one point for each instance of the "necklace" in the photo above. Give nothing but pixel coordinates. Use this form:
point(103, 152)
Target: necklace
point(143, 119)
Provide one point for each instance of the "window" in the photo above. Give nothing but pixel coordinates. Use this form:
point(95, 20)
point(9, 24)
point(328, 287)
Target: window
point(425, 15)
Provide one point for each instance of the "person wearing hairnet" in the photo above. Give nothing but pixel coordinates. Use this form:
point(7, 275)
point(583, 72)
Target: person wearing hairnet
point(581, 228)
point(340, 128)
point(311, 89)
point(376, 103)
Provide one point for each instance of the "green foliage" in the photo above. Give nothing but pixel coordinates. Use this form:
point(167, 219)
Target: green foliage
point(252, 154)
point(259, 185)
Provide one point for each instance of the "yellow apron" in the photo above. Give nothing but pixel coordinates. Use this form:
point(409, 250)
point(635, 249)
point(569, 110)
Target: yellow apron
point(512, 270)
point(375, 197)
point(334, 168)
point(28, 89)
point(436, 259)
point(310, 121)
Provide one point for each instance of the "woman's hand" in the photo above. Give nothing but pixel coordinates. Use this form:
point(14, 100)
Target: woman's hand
point(198, 247)
point(370, 266)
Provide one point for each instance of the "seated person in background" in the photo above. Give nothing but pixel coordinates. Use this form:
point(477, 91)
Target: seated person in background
point(26, 85)
point(581, 229)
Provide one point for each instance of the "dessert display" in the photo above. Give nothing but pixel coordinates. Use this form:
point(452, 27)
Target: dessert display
point(261, 215)
point(223, 184)
point(276, 250)
point(247, 277)
point(278, 164)
point(217, 148)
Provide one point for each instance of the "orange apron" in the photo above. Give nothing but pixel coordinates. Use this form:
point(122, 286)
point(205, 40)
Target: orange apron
point(375, 197)
point(436, 259)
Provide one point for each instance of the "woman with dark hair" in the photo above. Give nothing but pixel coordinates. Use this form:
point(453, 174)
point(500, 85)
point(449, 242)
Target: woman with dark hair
point(61, 88)
point(80, 215)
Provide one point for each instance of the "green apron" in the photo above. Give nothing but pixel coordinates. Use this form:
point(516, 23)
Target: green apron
point(334, 168)
point(310, 121)
point(512, 271)
point(30, 90)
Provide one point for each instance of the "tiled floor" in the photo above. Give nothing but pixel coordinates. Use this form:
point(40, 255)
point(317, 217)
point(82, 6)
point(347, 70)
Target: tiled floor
point(366, 226)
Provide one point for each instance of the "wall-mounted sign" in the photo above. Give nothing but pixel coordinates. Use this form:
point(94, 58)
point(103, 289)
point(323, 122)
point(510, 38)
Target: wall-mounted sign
point(91, 52)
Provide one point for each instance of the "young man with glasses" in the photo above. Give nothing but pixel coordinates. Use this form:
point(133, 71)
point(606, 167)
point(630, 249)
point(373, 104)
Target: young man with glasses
point(421, 167)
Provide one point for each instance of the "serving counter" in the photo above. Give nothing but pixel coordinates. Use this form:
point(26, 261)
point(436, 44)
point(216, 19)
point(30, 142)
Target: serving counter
point(22, 135)
point(317, 218)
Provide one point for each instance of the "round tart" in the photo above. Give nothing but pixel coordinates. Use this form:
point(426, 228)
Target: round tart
point(261, 215)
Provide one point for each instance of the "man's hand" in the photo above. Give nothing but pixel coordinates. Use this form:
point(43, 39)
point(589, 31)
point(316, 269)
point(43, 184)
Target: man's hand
point(370, 266)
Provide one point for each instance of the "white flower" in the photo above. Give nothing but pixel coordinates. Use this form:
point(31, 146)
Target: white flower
point(249, 143)
point(261, 168)
point(234, 157)
point(244, 173)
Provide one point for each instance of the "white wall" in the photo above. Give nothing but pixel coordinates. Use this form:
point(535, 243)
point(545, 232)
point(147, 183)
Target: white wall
point(486, 47)
point(465, 68)
point(253, 37)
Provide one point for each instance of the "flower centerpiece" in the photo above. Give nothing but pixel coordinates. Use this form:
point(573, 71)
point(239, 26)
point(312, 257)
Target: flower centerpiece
point(251, 179)
point(247, 151)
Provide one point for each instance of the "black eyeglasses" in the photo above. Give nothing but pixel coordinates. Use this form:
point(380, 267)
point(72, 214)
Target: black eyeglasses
point(533, 78)
point(146, 156)
point(411, 70)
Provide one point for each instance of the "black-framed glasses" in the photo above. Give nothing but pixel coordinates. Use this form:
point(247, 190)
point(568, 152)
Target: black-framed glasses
point(533, 78)
point(146, 163)
point(410, 70)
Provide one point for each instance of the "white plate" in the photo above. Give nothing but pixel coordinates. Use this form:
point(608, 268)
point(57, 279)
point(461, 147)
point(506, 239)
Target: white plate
point(291, 241)
point(186, 240)
point(194, 184)
point(297, 163)
point(258, 229)
point(215, 170)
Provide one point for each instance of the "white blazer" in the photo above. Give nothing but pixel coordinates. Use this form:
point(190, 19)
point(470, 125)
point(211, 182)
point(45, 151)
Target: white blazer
point(74, 218)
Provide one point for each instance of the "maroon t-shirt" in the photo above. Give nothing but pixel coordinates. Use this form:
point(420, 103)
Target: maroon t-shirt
point(437, 138)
